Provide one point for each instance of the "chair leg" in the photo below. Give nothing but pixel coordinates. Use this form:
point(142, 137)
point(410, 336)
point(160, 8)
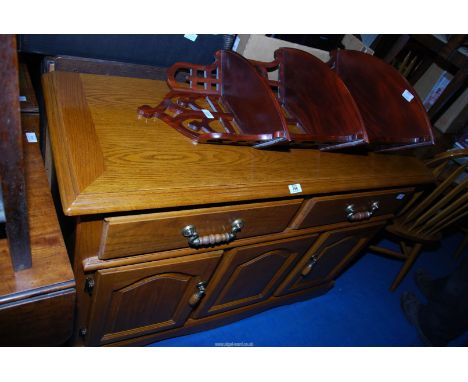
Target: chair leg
point(462, 246)
point(404, 248)
point(406, 266)
point(387, 252)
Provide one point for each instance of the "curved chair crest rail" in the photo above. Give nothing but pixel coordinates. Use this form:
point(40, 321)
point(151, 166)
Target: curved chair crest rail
point(321, 111)
point(393, 114)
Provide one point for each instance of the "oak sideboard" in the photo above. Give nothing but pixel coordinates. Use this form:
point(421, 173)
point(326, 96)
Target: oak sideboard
point(173, 238)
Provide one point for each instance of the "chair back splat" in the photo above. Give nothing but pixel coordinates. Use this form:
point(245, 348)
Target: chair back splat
point(429, 213)
point(424, 217)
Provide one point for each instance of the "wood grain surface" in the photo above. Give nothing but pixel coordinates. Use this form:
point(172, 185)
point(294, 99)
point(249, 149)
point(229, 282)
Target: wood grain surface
point(332, 209)
point(149, 165)
point(29, 103)
point(12, 172)
point(87, 262)
point(135, 234)
point(51, 268)
point(45, 320)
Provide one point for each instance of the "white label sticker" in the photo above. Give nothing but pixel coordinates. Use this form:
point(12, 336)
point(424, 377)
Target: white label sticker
point(23, 98)
point(207, 114)
point(400, 196)
point(407, 95)
point(236, 44)
point(191, 37)
point(295, 188)
point(31, 137)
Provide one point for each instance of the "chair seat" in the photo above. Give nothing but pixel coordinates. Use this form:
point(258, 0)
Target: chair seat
point(427, 214)
point(403, 232)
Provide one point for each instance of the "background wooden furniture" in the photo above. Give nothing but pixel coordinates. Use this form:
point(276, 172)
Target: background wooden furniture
point(28, 100)
point(414, 54)
point(11, 159)
point(428, 213)
point(464, 243)
point(37, 304)
point(37, 291)
point(134, 185)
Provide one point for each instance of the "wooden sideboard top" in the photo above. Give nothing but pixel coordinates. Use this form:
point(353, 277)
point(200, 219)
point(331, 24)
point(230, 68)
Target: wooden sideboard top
point(108, 160)
point(51, 270)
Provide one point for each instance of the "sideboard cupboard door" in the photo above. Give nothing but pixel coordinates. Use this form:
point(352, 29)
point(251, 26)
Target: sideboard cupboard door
point(330, 254)
point(251, 274)
point(139, 299)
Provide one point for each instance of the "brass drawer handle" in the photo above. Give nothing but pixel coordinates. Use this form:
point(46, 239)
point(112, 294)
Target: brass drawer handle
point(194, 240)
point(354, 216)
point(313, 260)
point(196, 297)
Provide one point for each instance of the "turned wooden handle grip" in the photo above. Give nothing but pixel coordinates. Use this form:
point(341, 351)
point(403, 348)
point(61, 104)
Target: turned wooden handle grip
point(214, 238)
point(357, 216)
point(309, 266)
point(195, 240)
point(195, 299)
point(307, 269)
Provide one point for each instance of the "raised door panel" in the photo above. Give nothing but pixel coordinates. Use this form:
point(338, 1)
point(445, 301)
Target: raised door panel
point(134, 300)
point(250, 274)
point(330, 254)
point(151, 301)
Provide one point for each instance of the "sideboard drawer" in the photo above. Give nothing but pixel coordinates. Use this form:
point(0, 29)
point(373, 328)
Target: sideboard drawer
point(351, 207)
point(136, 234)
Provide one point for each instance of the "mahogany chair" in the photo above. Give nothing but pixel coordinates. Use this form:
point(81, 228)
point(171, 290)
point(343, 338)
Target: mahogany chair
point(319, 107)
point(226, 102)
point(427, 214)
point(394, 116)
point(355, 99)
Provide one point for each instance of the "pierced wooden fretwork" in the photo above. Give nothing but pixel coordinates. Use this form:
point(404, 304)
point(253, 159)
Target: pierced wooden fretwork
point(225, 102)
point(354, 100)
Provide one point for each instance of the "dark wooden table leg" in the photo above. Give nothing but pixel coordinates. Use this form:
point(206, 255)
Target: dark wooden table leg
point(11, 157)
